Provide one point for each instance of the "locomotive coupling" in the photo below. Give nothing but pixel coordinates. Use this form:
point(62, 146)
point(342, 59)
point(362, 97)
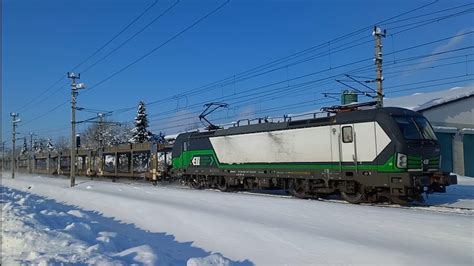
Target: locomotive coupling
point(444, 178)
point(440, 180)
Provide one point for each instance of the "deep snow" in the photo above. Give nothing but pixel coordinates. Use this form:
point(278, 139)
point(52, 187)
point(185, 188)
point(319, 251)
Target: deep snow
point(137, 223)
point(41, 231)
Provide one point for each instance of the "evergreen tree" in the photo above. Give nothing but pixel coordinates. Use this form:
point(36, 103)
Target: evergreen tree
point(50, 145)
point(41, 146)
point(38, 145)
point(140, 133)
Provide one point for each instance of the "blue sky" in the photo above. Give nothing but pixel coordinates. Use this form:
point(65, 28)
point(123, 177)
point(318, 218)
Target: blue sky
point(42, 40)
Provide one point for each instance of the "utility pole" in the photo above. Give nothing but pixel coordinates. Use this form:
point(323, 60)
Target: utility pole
point(14, 122)
point(100, 128)
point(74, 92)
point(378, 34)
point(31, 153)
point(3, 155)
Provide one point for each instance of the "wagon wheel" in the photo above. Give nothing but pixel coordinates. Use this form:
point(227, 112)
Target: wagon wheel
point(222, 184)
point(297, 189)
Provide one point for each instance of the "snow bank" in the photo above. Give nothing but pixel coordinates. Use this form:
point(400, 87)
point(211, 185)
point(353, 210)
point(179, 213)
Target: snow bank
point(26, 240)
point(183, 226)
point(44, 232)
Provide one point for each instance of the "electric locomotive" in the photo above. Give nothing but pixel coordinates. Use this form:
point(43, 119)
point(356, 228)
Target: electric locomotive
point(383, 154)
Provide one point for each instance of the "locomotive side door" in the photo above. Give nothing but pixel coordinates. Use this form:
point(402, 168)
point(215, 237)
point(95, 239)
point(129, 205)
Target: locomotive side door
point(347, 142)
point(335, 132)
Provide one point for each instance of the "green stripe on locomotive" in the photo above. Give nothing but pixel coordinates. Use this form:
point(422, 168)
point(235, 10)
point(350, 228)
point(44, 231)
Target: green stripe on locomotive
point(208, 158)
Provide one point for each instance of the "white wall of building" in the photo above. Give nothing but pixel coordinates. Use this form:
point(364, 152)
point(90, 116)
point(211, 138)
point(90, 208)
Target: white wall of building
point(458, 113)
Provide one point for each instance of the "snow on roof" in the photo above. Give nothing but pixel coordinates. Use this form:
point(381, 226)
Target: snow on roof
point(469, 131)
point(422, 101)
point(442, 129)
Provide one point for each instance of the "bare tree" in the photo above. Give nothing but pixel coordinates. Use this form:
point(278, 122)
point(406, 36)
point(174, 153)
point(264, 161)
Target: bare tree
point(63, 143)
point(109, 132)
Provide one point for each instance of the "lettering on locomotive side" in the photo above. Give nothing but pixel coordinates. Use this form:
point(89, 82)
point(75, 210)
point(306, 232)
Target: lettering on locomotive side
point(202, 160)
point(196, 161)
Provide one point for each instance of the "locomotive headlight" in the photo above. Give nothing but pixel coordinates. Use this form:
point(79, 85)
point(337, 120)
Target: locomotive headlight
point(401, 160)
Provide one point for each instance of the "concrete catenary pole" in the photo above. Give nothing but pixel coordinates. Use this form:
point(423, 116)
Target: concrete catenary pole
point(74, 92)
point(15, 120)
point(378, 34)
point(3, 155)
point(30, 154)
point(100, 128)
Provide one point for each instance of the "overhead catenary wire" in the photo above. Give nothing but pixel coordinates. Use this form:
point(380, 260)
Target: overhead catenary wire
point(41, 94)
point(134, 107)
point(314, 73)
point(291, 92)
point(355, 62)
point(299, 85)
point(146, 10)
point(304, 104)
point(297, 54)
point(159, 46)
point(418, 24)
point(227, 81)
point(434, 85)
point(140, 58)
point(272, 93)
point(22, 108)
point(88, 68)
point(361, 30)
point(198, 105)
point(451, 82)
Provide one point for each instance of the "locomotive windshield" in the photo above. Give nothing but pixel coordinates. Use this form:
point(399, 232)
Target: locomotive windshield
point(415, 128)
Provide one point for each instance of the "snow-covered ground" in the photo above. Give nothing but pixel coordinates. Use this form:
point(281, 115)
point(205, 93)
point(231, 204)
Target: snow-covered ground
point(45, 221)
point(40, 231)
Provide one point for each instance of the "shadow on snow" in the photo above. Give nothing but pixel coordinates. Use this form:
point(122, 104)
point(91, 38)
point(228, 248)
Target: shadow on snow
point(93, 228)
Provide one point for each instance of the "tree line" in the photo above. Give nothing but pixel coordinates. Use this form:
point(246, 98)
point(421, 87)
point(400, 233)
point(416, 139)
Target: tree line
point(101, 135)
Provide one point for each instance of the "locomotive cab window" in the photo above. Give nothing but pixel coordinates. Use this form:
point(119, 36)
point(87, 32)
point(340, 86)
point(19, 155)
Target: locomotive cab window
point(347, 136)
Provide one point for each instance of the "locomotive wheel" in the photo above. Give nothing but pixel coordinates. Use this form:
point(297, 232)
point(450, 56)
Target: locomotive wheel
point(222, 185)
point(354, 198)
point(297, 190)
point(195, 183)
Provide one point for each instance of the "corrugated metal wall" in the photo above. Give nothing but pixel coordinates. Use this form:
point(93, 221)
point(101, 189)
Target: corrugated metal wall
point(446, 142)
point(468, 141)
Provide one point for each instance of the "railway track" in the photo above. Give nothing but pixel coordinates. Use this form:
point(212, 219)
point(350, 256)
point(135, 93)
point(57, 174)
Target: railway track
point(281, 194)
point(414, 206)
